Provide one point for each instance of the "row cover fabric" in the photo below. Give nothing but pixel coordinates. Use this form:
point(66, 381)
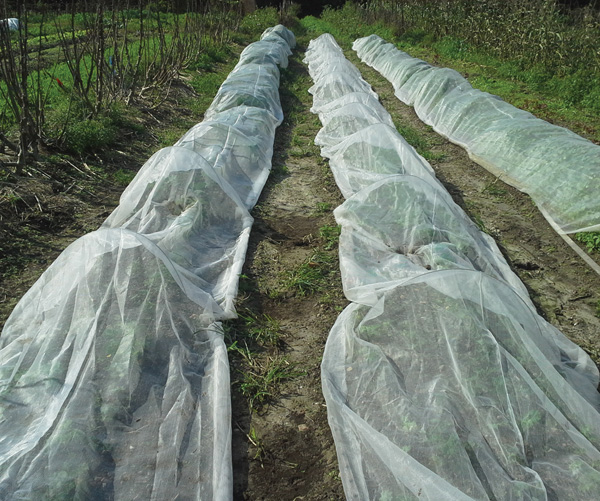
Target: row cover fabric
point(12, 23)
point(557, 168)
point(418, 220)
point(450, 388)
point(441, 380)
point(113, 370)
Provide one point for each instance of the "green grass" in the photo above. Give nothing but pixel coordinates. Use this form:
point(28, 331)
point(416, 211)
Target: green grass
point(261, 327)
point(123, 177)
point(312, 276)
point(418, 141)
point(89, 135)
point(494, 190)
point(256, 441)
point(280, 169)
point(260, 383)
point(345, 24)
point(330, 235)
point(261, 376)
point(207, 85)
point(323, 207)
point(254, 24)
point(48, 26)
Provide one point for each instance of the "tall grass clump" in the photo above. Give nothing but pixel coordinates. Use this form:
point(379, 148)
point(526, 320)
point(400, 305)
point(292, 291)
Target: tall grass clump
point(252, 25)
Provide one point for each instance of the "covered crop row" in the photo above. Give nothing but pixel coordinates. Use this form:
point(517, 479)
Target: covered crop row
point(113, 371)
point(441, 380)
point(557, 168)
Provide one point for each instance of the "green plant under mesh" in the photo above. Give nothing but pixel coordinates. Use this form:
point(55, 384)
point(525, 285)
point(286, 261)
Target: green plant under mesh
point(591, 240)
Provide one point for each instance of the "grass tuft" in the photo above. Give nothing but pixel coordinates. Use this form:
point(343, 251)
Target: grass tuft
point(261, 327)
point(330, 235)
point(312, 275)
point(261, 378)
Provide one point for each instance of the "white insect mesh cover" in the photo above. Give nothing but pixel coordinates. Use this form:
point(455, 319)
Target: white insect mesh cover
point(281, 31)
point(557, 168)
point(239, 154)
point(387, 153)
point(400, 226)
point(450, 387)
point(195, 217)
point(346, 120)
point(114, 375)
point(252, 84)
point(113, 382)
point(441, 380)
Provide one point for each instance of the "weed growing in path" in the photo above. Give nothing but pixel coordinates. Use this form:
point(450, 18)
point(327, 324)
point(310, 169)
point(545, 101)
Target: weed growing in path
point(257, 442)
point(494, 190)
point(260, 381)
point(330, 235)
point(323, 207)
point(312, 275)
point(261, 327)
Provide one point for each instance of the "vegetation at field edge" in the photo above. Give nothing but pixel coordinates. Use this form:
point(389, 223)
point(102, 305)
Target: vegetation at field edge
point(68, 81)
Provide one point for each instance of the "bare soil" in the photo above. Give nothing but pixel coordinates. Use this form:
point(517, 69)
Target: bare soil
point(293, 455)
point(283, 450)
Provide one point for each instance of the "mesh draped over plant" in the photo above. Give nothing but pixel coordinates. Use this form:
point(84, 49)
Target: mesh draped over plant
point(555, 166)
point(113, 371)
point(441, 380)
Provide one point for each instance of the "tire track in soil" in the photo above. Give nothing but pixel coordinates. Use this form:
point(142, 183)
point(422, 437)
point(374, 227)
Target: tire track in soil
point(285, 449)
point(564, 289)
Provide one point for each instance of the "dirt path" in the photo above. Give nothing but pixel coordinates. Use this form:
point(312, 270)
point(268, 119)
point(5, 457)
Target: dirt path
point(284, 448)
